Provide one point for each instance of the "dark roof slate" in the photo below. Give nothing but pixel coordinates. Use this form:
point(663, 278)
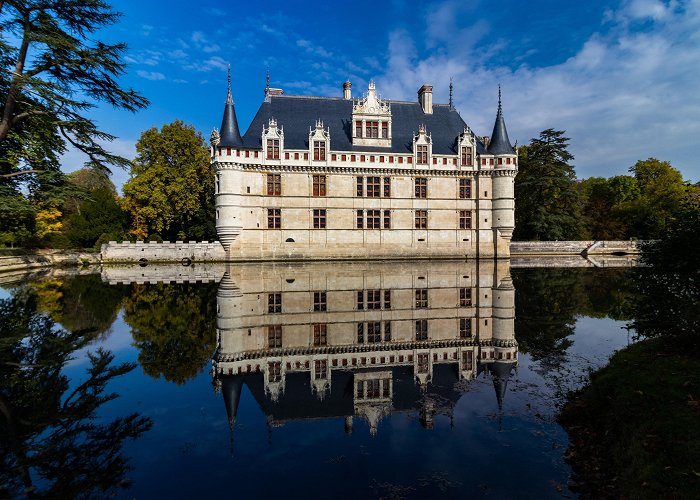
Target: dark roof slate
point(230, 135)
point(500, 144)
point(298, 113)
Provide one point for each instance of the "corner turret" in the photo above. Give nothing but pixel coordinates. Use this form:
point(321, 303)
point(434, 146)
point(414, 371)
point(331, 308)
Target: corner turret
point(230, 135)
point(499, 143)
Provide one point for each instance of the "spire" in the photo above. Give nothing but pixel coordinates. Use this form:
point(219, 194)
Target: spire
point(230, 135)
point(451, 103)
point(229, 97)
point(267, 81)
point(500, 144)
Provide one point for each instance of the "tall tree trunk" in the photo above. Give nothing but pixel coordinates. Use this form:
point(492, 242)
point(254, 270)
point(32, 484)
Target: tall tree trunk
point(14, 92)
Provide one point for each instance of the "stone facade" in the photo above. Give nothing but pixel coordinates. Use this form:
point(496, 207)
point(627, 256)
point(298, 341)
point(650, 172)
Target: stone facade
point(326, 178)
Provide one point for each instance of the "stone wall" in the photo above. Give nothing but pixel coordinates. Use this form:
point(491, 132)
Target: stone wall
point(574, 247)
point(127, 252)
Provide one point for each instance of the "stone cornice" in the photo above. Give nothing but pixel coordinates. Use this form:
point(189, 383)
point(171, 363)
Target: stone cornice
point(360, 348)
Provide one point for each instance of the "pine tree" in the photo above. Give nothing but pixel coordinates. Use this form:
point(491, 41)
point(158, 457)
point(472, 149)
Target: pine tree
point(547, 201)
point(51, 74)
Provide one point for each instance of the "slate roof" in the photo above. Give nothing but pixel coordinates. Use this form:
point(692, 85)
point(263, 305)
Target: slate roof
point(297, 113)
point(500, 144)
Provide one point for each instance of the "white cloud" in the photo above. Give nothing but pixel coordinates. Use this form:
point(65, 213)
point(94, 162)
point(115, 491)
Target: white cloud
point(625, 95)
point(150, 75)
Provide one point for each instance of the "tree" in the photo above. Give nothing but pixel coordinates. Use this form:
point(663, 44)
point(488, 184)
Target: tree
point(171, 189)
point(662, 192)
point(52, 73)
point(547, 201)
point(98, 218)
point(52, 443)
point(174, 328)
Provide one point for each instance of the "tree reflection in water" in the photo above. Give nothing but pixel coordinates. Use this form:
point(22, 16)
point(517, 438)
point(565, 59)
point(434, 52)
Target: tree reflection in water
point(51, 440)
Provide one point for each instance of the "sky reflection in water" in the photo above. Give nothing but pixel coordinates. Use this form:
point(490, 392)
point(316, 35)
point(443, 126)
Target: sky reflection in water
point(445, 437)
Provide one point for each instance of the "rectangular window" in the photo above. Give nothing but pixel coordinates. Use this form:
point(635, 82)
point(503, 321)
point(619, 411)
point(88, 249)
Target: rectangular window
point(319, 301)
point(273, 149)
point(360, 219)
point(319, 218)
point(274, 371)
point(320, 369)
point(387, 219)
point(421, 219)
point(387, 187)
point(374, 332)
point(372, 129)
point(374, 299)
point(467, 361)
point(360, 300)
point(360, 389)
point(465, 188)
point(274, 184)
point(467, 156)
point(465, 297)
point(421, 185)
point(423, 363)
point(422, 329)
point(465, 219)
point(421, 155)
point(387, 331)
point(372, 389)
point(387, 299)
point(373, 187)
point(274, 218)
point(465, 327)
point(274, 302)
point(386, 388)
point(360, 333)
point(358, 129)
point(360, 186)
point(319, 185)
point(421, 298)
point(319, 150)
point(274, 336)
point(320, 334)
point(373, 219)
point(385, 130)
point(500, 161)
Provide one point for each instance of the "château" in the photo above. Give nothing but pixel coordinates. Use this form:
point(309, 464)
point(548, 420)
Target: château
point(361, 178)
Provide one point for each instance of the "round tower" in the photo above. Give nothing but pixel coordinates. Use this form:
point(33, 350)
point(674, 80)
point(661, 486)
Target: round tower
point(229, 223)
point(505, 169)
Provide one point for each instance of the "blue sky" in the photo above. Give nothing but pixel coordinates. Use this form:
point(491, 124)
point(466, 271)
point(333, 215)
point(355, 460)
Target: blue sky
point(621, 77)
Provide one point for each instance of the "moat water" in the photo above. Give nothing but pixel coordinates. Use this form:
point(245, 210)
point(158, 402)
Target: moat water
point(264, 381)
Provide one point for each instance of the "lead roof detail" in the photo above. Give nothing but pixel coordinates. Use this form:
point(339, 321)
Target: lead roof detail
point(500, 144)
point(230, 134)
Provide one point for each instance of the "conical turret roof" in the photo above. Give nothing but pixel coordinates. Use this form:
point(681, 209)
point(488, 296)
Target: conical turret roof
point(499, 144)
point(230, 134)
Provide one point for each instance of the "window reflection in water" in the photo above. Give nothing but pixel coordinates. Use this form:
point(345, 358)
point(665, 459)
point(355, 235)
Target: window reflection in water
point(362, 340)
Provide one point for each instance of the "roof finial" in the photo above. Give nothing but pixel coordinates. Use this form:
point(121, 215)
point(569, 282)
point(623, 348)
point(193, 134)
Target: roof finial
point(451, 103)
point(229, 97)
point(499, 99)
point(267, 78)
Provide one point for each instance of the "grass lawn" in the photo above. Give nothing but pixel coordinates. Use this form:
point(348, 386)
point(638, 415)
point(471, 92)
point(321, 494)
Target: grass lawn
point(635, 429)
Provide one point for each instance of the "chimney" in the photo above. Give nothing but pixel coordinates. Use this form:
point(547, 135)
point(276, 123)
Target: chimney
point(425, 98)
point(347, 90)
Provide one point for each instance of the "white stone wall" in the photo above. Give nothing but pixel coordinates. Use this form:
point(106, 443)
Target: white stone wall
point(127, 252)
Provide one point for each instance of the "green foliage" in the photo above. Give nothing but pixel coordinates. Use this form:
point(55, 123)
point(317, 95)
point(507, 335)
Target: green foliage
point(52, 72)
point(547, 201)
point(174, 327)
point(171, 190)
point(668, 285)
point(634, 430)
point(96, 217)
point(51, 443)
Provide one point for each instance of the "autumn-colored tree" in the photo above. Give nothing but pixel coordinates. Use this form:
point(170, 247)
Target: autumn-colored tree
point(171, 189)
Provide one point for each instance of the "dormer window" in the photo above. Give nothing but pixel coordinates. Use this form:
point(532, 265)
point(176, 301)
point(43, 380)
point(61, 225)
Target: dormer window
point(421, 155)
point(273, 149)
point(372, 120)
point(422, 146)
point(319, 150)
point(319, 140)
point(467, 156)
point(272, 140)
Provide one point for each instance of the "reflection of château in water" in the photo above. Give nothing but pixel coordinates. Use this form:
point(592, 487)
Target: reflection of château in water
point(362, 339)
